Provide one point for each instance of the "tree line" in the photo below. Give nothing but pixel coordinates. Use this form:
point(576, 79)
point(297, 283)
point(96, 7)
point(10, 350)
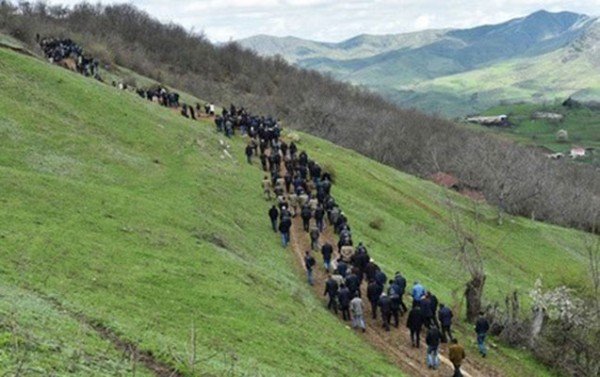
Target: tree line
point(515, 179)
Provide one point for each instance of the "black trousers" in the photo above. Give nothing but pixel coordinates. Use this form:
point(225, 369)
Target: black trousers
point(446, 333)
point(415, 337)
point(457, 372)
point(386, 319)
point(346, 313)
point(332, 304)
point(374, 309)
point(395, 316)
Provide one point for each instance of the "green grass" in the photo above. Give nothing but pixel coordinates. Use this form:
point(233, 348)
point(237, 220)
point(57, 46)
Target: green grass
point(582, 125)
point(40, 340)
point(149, 249)
point(127, 212)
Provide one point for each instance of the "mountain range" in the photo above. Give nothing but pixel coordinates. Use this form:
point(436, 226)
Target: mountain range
point(538, 58)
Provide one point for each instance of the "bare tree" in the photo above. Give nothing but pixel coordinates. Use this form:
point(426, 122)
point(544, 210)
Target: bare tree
point(468, 250)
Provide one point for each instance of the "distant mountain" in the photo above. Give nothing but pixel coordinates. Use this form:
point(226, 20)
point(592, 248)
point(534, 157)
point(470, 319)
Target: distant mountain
point(454, 72)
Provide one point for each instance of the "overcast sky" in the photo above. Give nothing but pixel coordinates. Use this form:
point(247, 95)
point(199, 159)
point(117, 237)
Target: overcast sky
point(334, 21)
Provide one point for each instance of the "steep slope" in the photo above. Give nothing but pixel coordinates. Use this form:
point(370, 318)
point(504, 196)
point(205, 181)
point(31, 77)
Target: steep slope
point(124, 211)
point(131, 215)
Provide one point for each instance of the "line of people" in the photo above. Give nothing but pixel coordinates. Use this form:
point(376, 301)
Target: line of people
point(305, 190)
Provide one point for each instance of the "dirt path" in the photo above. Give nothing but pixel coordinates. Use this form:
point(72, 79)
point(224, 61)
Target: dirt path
point(128, 349)
point(396, 343)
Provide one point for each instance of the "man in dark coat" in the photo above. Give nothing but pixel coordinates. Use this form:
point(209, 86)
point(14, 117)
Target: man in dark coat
point(327, 251)
point(432, 339)
point(319, 216)
point(306, 214)
point(373, 292)
point(482, 326)
point(380, 277)
point(273, 214)
point(342, 267)
point(445, 316)
point(331, 289)
point(426, 311)
point(401, 282)
point(352, 283)
point(395, 301)
point(309, 263)
point(414, 322)
point(284, 227)
point(385, 305)
point(344, 298)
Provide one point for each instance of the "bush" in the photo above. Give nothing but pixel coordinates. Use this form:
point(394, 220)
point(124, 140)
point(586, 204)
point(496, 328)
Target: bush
point(376, 223)
point(562, 136)
point(327, 168)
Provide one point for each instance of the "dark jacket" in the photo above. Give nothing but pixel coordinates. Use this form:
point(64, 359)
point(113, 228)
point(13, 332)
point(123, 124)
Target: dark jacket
point(434, 303)
point(331, 287)
point(415, 319)
point(327, 250)
point(273, 213)
point(401, 281)
point(305, 213)
point(433, 337)
point(319, 213)
point(482, 325)
point(309, 262)
point(342, 268)
point(380, 278)
point(445, 316)
point(370, 270)
point(385, 304)
point(426, 310)
point(285, 225)
point(374, 291)
point(344, 297)
point(352, 282)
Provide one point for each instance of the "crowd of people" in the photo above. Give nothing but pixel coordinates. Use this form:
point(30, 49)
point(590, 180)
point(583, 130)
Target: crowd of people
point(57, 50)
point(301, 189)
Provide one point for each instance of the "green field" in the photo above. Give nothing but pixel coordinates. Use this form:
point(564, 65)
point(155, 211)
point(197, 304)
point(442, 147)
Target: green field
point(582, 125)
point(133, 216)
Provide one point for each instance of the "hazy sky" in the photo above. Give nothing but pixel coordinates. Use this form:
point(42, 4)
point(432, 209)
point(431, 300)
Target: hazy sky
point(334, 21)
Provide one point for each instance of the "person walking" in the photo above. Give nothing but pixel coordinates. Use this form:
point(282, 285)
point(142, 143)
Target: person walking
point(417, 292)
point(249, 151)
point(306, 214)
point(284, 227)
point(344, 299)
point(456, 354)
point(314, 238)
point(273, 215)
point(482, 326)
point(327, 251)
point(357, 313)
point(331, 289)
point(385, 305)
point(432, 339)
point(309, 263)
point(266, 185)
point(414, 322)
point(373, 292)
point(445, 316)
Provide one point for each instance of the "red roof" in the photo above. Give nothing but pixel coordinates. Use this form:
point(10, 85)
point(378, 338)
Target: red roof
point(445, 180)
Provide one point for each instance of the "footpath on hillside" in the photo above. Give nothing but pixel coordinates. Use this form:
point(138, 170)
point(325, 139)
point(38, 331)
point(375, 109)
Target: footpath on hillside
point(395, 343)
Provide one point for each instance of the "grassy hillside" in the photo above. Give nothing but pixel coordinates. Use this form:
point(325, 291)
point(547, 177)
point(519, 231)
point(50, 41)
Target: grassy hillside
point(582, 125)
point(132, 215)
point(128, 213)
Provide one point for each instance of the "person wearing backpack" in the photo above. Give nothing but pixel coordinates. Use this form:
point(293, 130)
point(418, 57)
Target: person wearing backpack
point(309, 263)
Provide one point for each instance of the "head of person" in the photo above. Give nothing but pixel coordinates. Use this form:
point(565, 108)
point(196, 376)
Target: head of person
point(454, 341)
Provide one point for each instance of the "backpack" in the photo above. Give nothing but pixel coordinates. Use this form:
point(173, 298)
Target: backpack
point(311, 261)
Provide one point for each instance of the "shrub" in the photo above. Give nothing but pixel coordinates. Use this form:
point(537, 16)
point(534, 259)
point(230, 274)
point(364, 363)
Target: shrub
point(562, 136)
point(376, 223)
